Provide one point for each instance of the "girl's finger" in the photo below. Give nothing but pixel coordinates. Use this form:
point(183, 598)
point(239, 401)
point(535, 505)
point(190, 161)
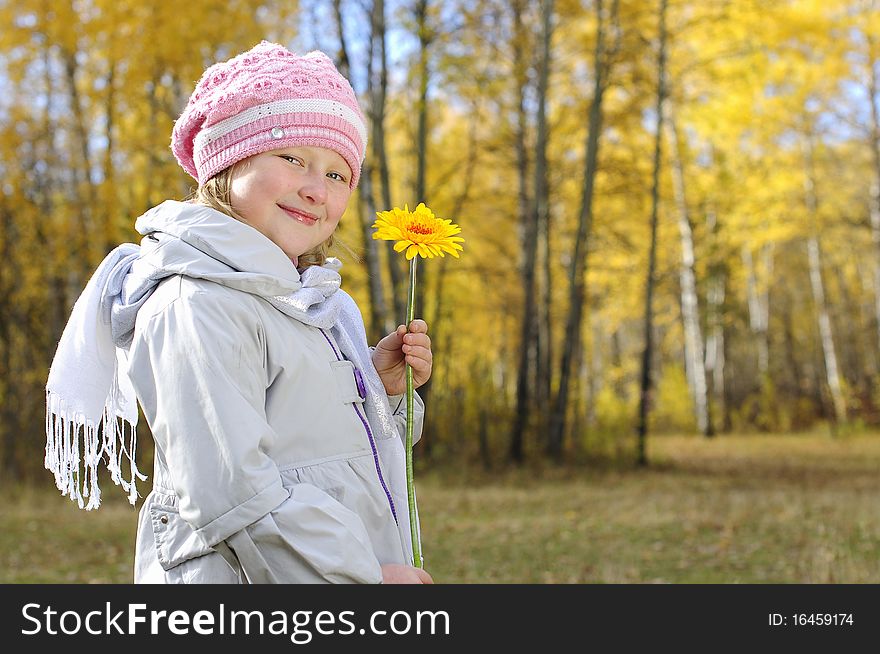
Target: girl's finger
point(417, 339)
point(418, 352)
point(418, 364)
point(418, 326)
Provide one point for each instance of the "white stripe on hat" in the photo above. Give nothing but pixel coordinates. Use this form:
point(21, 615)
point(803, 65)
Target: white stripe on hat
point(280, 107)
point(203, 155)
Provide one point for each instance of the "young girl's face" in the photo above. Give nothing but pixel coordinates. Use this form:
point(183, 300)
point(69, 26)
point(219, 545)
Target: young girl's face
point(294, 196)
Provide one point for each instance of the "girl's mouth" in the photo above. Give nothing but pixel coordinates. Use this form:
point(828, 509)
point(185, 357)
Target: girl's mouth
point(303, 217)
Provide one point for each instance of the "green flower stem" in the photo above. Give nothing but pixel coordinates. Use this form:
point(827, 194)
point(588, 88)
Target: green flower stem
point(410, 490)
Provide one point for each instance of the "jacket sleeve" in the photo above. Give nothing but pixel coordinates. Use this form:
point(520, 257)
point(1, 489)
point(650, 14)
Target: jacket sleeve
point(198, 367)
point(398, 408)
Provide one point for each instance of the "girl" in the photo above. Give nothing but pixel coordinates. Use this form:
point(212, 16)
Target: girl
point(278, 452)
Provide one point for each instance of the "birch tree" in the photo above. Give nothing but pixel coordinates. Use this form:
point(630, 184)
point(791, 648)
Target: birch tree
point(817, 286)
point(695, 362)
point(759, 303)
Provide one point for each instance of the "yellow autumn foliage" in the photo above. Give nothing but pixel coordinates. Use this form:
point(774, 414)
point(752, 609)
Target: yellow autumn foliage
point(771, 103)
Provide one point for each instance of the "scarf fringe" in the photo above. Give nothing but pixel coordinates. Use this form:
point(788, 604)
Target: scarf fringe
point(113, 437)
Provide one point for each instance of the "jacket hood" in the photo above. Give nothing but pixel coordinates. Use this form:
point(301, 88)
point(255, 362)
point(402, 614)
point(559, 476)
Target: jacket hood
point(198, 241)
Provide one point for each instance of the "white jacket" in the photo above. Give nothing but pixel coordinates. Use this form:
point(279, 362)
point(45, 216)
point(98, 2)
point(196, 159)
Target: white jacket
point(272, 462)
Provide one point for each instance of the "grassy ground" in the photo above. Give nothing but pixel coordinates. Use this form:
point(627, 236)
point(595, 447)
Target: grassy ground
point(737, 509)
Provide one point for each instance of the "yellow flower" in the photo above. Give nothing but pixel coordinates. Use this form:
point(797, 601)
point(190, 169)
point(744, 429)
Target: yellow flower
point(418, 232)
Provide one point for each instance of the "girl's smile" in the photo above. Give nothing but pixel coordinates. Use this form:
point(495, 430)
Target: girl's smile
point(304, 217)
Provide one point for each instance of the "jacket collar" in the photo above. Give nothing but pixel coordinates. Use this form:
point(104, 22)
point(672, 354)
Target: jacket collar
point(223, 238)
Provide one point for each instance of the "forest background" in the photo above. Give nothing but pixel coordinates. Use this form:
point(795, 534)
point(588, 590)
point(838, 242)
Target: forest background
point(671, 208)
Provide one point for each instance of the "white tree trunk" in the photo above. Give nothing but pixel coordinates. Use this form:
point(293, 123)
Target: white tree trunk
point(825, 333)
point(695, 366)
point(815, 262)
point(759, 305)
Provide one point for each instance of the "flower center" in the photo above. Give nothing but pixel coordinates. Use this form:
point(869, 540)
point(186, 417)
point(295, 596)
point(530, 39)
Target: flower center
point(420, 228)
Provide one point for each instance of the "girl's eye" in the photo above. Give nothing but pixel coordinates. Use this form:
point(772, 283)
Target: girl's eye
point(291, 159)
point(337, 177)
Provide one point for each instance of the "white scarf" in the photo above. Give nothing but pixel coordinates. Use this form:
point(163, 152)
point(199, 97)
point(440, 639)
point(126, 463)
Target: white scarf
point(88, 389)
point(85, 391)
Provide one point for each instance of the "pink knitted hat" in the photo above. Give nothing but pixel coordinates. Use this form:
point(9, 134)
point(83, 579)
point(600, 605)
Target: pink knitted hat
point(265, 99)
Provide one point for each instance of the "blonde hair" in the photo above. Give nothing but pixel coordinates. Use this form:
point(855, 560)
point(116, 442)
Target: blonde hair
point(215, 193)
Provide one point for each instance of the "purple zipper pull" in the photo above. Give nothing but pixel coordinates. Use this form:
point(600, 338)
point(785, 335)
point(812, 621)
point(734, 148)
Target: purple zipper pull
point(362, 388)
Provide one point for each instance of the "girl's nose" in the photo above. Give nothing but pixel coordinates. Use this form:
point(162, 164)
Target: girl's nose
point(313, 189)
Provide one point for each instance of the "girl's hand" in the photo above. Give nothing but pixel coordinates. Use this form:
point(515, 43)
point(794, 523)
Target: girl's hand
point(397, 349)
point(397, 573)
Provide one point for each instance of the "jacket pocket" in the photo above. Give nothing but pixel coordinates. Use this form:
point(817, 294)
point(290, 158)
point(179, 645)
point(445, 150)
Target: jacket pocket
point(350, 386)
point(176, 541)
